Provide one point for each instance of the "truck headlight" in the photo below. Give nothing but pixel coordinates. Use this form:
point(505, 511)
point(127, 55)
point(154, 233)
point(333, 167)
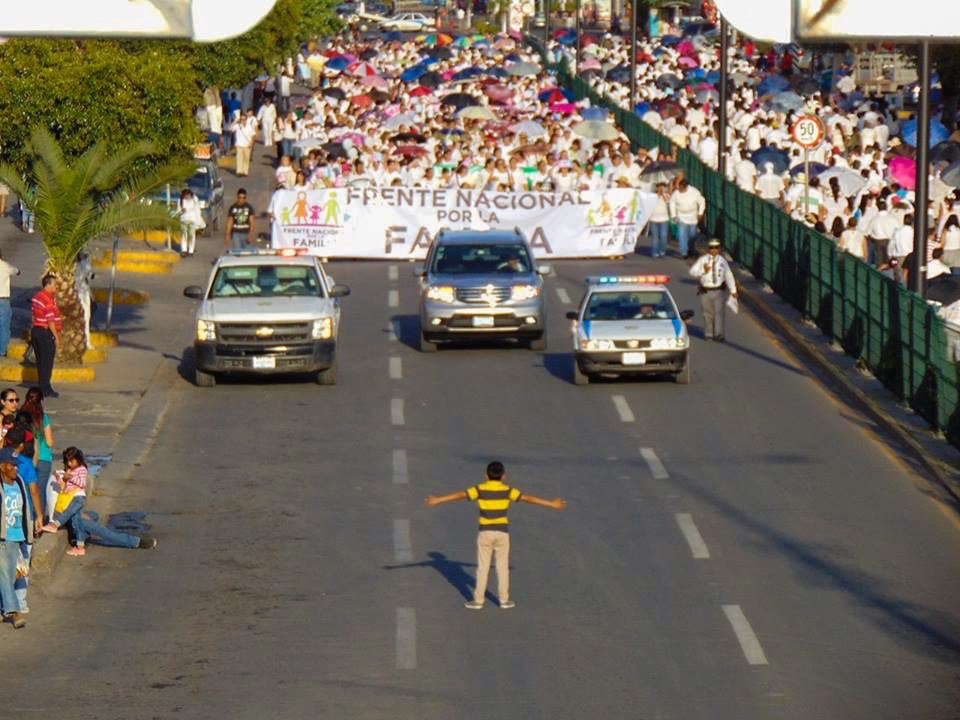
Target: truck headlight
point(672, 343)
point(206, 330)
point(524, 292)
point(441, 293)
point(322, 329)
point(597, 345)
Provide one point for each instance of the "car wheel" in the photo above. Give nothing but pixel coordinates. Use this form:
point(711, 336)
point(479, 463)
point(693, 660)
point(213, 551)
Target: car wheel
point(539, 343)
point(204, 379)
point(426, 346)
point(579, 378)
point(328, 376)
point(683, 376)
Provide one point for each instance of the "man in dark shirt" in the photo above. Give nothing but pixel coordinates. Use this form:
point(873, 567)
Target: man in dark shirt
point(240, 223)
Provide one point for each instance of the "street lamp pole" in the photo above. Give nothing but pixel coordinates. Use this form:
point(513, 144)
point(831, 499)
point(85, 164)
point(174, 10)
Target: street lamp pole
point(546, 27)
point(633, 54)
point(724, 84)
point(918, 273)
point(576, 44)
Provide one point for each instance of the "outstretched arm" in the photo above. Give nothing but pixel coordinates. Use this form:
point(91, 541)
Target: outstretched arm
point(434, 500)
point(556, 504)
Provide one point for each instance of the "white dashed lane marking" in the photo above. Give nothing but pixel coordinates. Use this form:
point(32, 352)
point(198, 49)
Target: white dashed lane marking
point(657, 469)
point(406, 639)
point(402, 545)
point(400, 467)
point(393, 298)
point(698, 548)
point(396, 368)
point(745, 635)
point(396, 411)
point(563, 295)
point(623, 410)
point(393, 273)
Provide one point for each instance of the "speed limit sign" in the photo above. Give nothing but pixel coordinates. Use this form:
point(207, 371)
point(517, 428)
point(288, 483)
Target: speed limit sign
point(807, 131)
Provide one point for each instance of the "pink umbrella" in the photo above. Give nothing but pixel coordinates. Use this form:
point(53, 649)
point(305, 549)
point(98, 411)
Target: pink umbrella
point(686, 48)
point(373, 81)
point(499, 93)
point(591, 64)
point(349, 57)
point(687, 62)
point(447, 74)
point(903, 170)
point(564, 108)
point(362, 69)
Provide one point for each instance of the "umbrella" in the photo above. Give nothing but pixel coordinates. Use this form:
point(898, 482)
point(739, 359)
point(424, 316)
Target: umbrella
point(688, 62)
point(619, 74)
point(459, 100)
point(685, 47)
point(951, 176)
point(339, 64)
point(408, 137)
point(938, 133)
point(738, 79)
point(531, 147)
point(707, 95)
point(430, 79)
point(851, 182)
point(669, 80)
point(441, 53)
point(588, 40)
point(555, 94)
point(308, 144)
point(497, 72)
point(411, 150)
point(398, 121)
point(393, 36)
point(563, 108)
point(780, 160)
point(903, 170)
point(590, 64)
point(450, 131)
point(373, 81)
point(567, 38)
point(596, 130)
point(786, 101)
point(661, 171)
point(466, 73)
point(476, 112)
point(498, 93)
point(852, 100)
point(368, 54)
point(413, 74)
point(670, 108)
point(945, 152)
point(902, 150)
point(814, 167)
point(695, 74)
point(334, 92)
point(773, 84)
point(594, 113)
point(334, 149)
point(420, 91)
point(669, 40)
point(523, 69)
point(464, 41)
point(529, 128)
point(808, 87)
point(379, 97)
point(362, 100)
point(944, 289)
point(362, 69)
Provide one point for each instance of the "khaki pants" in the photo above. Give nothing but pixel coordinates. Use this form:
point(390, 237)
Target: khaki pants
point(714, 305)
point(243, 160)
point(496, 543)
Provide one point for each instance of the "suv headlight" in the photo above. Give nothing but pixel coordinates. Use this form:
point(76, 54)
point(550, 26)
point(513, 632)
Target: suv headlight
point(206, 330)
point(673, 343)
point(597, 345)
point(203, 204)
point(441, 293)
point(524, 292)
point(322, 329)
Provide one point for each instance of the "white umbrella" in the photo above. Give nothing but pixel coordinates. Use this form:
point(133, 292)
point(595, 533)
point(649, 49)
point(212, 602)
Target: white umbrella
point(522, 69)
point(529, 128)
point(476, 112)
point(398, 121)
point(850, 182)
point(596, 130)
point(308, 143)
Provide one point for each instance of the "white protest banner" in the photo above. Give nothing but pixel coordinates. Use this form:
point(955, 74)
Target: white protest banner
point(394, 222)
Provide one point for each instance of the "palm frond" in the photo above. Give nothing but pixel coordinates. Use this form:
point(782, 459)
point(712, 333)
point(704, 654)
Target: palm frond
point(45, 146)
point(113, 170)
point(141, 184)
point(9, 176)
point(133, 216)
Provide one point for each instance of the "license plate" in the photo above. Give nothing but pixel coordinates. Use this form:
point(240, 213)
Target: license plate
point(635, 358)
point(482, 321)
point(265, 362)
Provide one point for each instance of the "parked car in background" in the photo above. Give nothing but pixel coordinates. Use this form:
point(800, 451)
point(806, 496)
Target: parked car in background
point(408, 22)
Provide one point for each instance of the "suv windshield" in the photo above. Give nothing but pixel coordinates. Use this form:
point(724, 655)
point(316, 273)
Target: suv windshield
point(201, 181)
point(266, 281)
point(481, 259)
point(647, 305)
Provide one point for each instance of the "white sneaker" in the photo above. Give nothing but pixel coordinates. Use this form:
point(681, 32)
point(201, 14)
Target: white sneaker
point(507, 604)
point(473, 605)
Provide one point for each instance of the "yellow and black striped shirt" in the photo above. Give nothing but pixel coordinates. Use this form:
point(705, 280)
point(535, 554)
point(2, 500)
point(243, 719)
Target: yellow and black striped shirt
point(494, 498)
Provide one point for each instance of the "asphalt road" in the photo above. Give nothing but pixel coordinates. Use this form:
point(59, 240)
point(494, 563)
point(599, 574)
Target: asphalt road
point(299, 574)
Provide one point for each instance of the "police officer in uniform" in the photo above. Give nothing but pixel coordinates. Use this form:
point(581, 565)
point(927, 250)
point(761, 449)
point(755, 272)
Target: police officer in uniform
point(713, 272)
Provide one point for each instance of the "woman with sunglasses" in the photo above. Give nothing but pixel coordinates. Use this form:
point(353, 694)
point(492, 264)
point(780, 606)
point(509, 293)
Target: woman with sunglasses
point(40, 427)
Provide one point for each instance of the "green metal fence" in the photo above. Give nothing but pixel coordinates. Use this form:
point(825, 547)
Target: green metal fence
point(897, 335)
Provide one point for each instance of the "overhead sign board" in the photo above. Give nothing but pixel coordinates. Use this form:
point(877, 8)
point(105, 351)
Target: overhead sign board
point(873, 19)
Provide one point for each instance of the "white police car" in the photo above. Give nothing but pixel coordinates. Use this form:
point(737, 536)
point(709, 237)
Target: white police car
point(629, 325)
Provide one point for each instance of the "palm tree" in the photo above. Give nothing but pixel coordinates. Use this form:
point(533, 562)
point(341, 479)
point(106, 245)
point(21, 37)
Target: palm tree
point(79, 200)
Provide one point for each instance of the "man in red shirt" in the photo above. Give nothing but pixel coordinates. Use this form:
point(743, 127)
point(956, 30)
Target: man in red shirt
point(45, 334)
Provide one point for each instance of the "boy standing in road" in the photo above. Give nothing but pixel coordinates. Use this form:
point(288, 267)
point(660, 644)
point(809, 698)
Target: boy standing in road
point(240, 223)
point(494, 496)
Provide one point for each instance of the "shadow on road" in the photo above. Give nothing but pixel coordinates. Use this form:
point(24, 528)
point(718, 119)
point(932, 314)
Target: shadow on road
point(451, 570)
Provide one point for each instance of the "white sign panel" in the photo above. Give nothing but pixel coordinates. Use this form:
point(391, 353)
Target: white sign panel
point(881, 19)
point(402, 222)
point(807, 131)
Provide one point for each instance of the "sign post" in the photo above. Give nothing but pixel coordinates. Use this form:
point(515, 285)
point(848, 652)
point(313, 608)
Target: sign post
point(808, 133)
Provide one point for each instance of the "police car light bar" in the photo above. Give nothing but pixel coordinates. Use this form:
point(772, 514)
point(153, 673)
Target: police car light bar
point(636, 279)
point(283, 252)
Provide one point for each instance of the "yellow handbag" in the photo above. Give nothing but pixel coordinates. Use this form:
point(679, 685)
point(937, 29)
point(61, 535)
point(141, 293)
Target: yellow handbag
point(63, 502)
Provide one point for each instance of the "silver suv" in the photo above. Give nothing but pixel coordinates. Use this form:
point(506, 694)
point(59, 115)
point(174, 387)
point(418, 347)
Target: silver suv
point(481, 284)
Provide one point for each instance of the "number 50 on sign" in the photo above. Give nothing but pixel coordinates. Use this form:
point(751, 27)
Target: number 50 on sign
point(807, 131)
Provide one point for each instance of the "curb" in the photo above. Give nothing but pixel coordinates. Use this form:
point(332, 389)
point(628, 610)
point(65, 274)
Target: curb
point(28, 374)
point(121, 296)
point(17, 349)
point(141, 432)
point(104, 338)
point(136, 266)
point(834, 377)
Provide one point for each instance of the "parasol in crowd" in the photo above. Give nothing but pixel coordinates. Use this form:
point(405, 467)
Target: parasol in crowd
point(476, 112)
point(596, 130)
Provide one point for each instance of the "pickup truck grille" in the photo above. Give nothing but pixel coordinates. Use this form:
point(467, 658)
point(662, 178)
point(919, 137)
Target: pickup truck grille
point(263, 333)
point(625, 344)
point(480, 296)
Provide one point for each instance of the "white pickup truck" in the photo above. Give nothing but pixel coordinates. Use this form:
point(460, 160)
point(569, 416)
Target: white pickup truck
point(274, 311)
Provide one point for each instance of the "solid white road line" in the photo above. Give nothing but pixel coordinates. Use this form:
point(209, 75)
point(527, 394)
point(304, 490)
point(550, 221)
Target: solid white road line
point(400, 476)
point(657, 469)
point(393, 273)
point(396, 368)
point(694, 539)
point(563, 295)
point(745, 635)
point(626, 414)
point(396, 411)
point(406, 639)
point(393, 298)
point(402, 545)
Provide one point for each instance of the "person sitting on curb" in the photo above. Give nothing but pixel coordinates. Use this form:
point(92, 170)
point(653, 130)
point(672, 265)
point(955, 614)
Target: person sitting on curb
point(16, 527)
point(71, 497)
